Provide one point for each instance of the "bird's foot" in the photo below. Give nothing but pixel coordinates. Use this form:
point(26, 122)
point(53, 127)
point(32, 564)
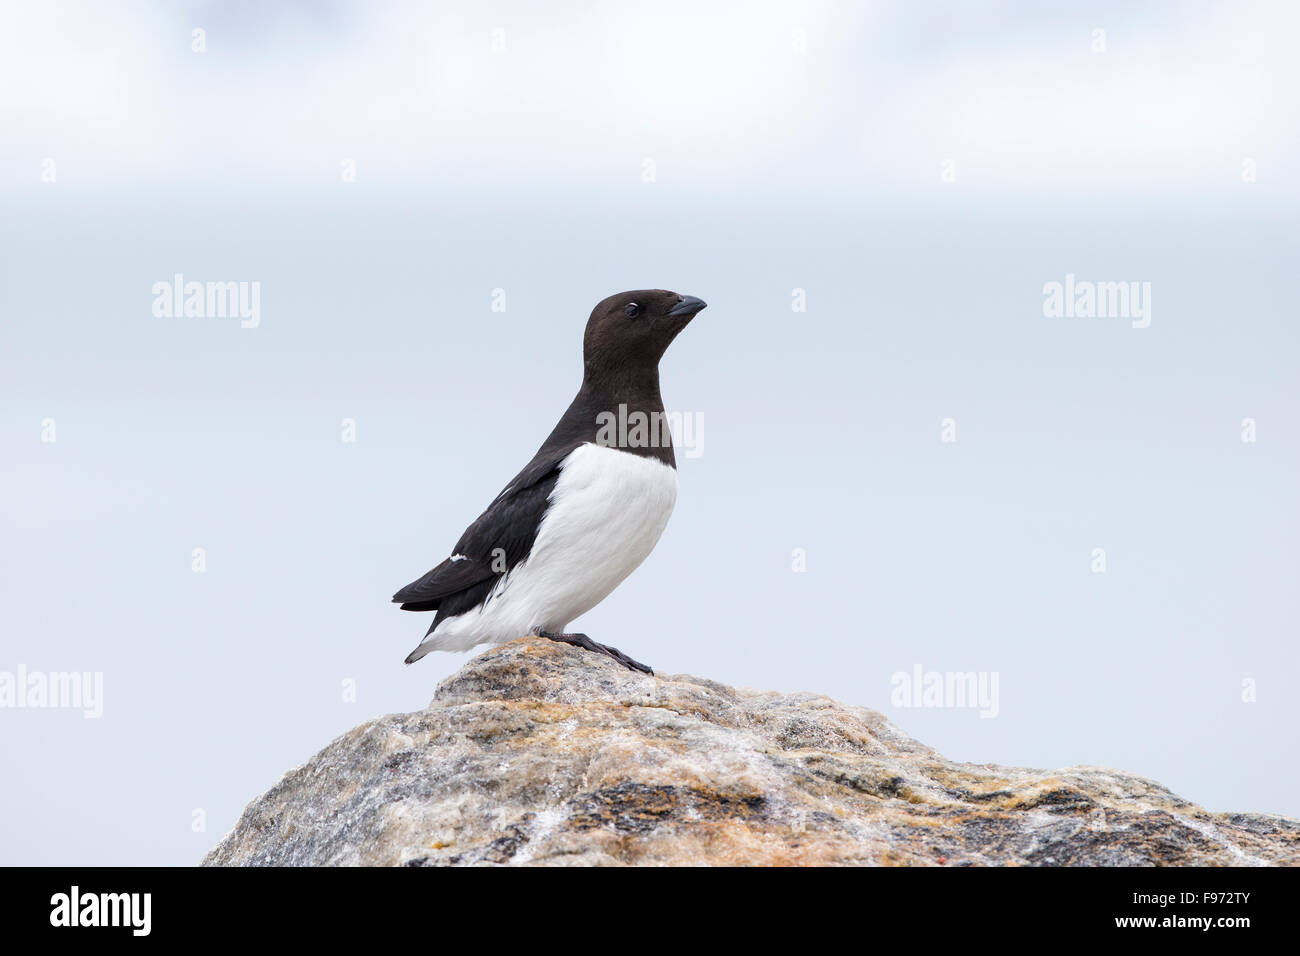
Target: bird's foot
point(586, 643)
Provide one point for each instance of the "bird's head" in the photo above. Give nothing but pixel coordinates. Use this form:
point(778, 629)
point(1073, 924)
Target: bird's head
point(632, 330)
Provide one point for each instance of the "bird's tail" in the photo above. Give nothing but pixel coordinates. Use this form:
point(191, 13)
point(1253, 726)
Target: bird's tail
point(419, 652)
point(427, 643)
point(448, 634)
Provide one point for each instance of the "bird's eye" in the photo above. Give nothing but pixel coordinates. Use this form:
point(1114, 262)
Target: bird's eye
point(632, 309)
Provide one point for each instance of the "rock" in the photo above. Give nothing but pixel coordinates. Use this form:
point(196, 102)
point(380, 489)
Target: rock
point(540, 753)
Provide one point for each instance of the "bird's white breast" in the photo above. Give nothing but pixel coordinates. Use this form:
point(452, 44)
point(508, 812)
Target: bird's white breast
point(606, 513)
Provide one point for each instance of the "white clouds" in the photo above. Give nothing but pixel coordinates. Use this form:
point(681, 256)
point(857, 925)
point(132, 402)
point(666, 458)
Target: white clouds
point(720, 95)
point(66, 76)
point(411, 92)
point(1164, 107)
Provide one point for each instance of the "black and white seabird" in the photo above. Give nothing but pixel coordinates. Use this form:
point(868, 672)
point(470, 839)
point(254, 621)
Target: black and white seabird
point(584, 513)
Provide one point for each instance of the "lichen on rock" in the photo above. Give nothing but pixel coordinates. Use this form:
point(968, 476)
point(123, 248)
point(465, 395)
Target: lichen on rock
point(540, 753)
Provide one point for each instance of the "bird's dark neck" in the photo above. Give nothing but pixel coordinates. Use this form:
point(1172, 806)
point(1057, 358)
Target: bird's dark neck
point(627, 414)
point(637, 389)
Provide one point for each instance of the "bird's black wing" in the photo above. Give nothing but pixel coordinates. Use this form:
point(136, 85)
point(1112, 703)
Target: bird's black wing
point(501, 537)
point(503, 534)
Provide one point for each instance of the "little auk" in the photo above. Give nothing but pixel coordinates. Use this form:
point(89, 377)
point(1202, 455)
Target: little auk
point(584, 513)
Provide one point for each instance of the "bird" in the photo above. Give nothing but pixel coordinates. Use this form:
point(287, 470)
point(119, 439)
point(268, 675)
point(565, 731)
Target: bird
point(585, 512)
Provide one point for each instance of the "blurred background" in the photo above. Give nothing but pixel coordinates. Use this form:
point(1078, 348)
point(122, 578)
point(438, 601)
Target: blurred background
point(910, 175)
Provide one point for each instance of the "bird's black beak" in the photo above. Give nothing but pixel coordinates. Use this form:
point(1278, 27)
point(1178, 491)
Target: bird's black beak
point(688, 305)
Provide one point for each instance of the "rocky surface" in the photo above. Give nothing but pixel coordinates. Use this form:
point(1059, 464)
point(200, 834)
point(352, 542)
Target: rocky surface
point(540, 753)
